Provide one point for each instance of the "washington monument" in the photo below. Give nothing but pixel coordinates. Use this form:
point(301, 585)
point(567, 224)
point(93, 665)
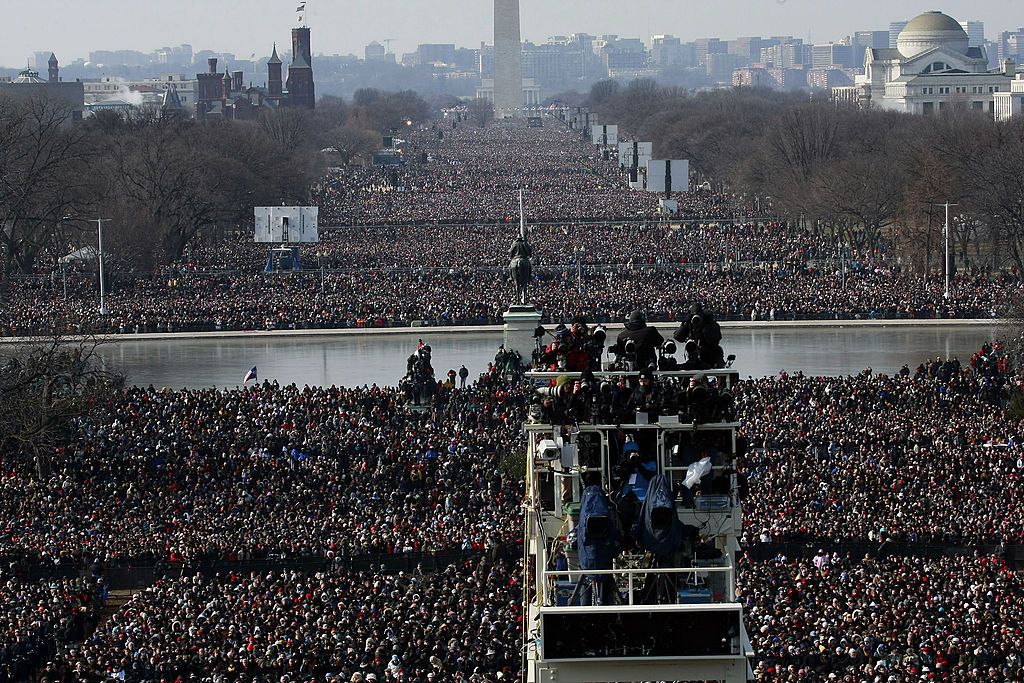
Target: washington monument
point(508, 59)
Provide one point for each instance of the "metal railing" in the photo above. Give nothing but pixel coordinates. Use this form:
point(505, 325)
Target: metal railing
point(119, 577)
point(712, 584)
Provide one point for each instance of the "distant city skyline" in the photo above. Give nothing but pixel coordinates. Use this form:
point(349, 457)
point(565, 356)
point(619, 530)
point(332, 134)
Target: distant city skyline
point(72, 28)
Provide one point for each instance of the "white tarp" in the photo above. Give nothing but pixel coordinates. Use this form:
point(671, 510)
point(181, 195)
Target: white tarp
point(696, 471)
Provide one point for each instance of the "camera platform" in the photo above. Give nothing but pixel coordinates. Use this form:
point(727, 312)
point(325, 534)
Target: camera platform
point(632, 528)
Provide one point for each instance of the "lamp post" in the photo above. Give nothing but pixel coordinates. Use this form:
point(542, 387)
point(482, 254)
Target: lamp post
point(946, 293)
point(103, 284)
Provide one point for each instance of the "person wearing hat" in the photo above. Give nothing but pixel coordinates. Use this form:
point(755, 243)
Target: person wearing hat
point(647, 339)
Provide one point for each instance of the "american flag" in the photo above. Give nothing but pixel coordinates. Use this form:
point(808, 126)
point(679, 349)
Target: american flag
point(250, 376)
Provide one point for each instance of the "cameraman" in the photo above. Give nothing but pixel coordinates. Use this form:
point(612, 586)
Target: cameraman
point(704, 332)
point(647, 340)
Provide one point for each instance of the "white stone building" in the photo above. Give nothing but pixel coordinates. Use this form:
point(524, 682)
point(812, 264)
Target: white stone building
point(933, 66)
point(1010, 104)
point(531, 95)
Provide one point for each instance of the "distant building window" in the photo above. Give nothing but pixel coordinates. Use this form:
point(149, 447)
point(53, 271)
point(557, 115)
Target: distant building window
point(980, 106)
point(927, 107)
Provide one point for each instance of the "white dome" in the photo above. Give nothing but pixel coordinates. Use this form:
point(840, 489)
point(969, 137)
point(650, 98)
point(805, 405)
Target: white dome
point(930, 30)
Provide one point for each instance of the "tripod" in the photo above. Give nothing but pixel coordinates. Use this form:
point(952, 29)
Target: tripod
point(595, 591)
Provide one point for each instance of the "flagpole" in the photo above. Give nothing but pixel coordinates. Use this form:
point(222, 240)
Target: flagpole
point(522, 216)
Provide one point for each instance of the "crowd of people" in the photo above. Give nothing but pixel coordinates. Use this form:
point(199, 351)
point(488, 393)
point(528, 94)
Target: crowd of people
point(204, 302)
point(882, 620)
point(472, 174)
point(460, 624)
point(271, 471)
point(923, 456)
point(443, 247)
point(183, 478)
point(428, 242)
point(38, 617)
point(186, 479)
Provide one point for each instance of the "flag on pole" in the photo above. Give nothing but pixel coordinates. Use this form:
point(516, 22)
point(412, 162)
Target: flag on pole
point(301, 7)
point(250, 376)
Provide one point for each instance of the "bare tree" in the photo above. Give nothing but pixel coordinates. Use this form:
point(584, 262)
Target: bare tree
point(43, 162)
point(481, 112)
point(46, 386)
point(351, 144)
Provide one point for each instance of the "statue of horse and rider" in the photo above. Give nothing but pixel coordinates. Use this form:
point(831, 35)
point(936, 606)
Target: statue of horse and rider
point(520, 267)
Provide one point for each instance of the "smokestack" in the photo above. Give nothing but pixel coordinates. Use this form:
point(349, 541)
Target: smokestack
point(1009, 68)
point(236, 81)
point(211, 65)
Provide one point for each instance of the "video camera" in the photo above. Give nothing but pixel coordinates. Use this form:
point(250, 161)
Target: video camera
point(625, 356)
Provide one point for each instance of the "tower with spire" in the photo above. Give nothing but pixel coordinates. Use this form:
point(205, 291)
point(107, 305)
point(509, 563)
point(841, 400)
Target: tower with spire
point(275, 84)
point(54, 69)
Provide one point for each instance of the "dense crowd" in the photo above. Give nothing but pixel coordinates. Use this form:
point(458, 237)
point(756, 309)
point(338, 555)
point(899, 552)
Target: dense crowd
point(271, 471)
point(921, 456)
point(186, 477)
point(38, 617)
point(461, 624)
point(474, 246)
point(881, 620)
point(474, 175)
point(195, 301)
point(429, 242)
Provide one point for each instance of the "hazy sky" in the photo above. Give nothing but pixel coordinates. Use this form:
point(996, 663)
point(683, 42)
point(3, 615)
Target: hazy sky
point(73, 27)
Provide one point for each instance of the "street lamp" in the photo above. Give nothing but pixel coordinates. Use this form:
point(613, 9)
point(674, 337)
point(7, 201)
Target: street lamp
point(103, 283)
point(578, 252)
point(945, 231)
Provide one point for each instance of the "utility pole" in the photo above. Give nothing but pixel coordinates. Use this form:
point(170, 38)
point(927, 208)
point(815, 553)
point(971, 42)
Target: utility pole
point(103, 284)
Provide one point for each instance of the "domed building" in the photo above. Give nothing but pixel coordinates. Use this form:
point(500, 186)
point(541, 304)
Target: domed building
point(931, 67)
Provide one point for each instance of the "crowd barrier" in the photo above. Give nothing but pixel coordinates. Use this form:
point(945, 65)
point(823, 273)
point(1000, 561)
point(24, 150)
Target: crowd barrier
point(761, 552)
point(120, 577)
point(124, 577)
point(542, 268)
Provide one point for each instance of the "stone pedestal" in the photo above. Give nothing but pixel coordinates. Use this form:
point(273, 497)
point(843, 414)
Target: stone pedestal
point(520, 322)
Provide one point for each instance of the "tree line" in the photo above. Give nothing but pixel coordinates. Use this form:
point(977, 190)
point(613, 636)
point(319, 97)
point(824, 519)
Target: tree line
point(161, 180)
point(864, 176)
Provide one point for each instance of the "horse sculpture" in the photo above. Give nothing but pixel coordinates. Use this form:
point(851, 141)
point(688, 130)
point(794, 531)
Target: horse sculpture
point(520, 268)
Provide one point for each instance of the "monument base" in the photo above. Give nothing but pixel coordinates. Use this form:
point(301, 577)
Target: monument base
point(520, 323)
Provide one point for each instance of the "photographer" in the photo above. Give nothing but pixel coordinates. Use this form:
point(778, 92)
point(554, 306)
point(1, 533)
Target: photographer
point(646, 339)
point(701, 337)
point(646, 396)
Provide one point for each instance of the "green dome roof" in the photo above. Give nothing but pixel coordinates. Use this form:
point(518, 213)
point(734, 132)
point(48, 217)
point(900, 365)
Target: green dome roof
point(934, 21)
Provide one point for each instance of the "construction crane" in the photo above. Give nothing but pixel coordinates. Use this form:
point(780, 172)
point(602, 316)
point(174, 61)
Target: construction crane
point(387, 43)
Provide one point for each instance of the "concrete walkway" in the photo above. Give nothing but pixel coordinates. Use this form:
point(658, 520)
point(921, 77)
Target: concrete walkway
point(494, 329)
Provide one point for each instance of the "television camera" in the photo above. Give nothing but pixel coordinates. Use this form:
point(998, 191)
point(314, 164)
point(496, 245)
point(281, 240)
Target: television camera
point(697, 399)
